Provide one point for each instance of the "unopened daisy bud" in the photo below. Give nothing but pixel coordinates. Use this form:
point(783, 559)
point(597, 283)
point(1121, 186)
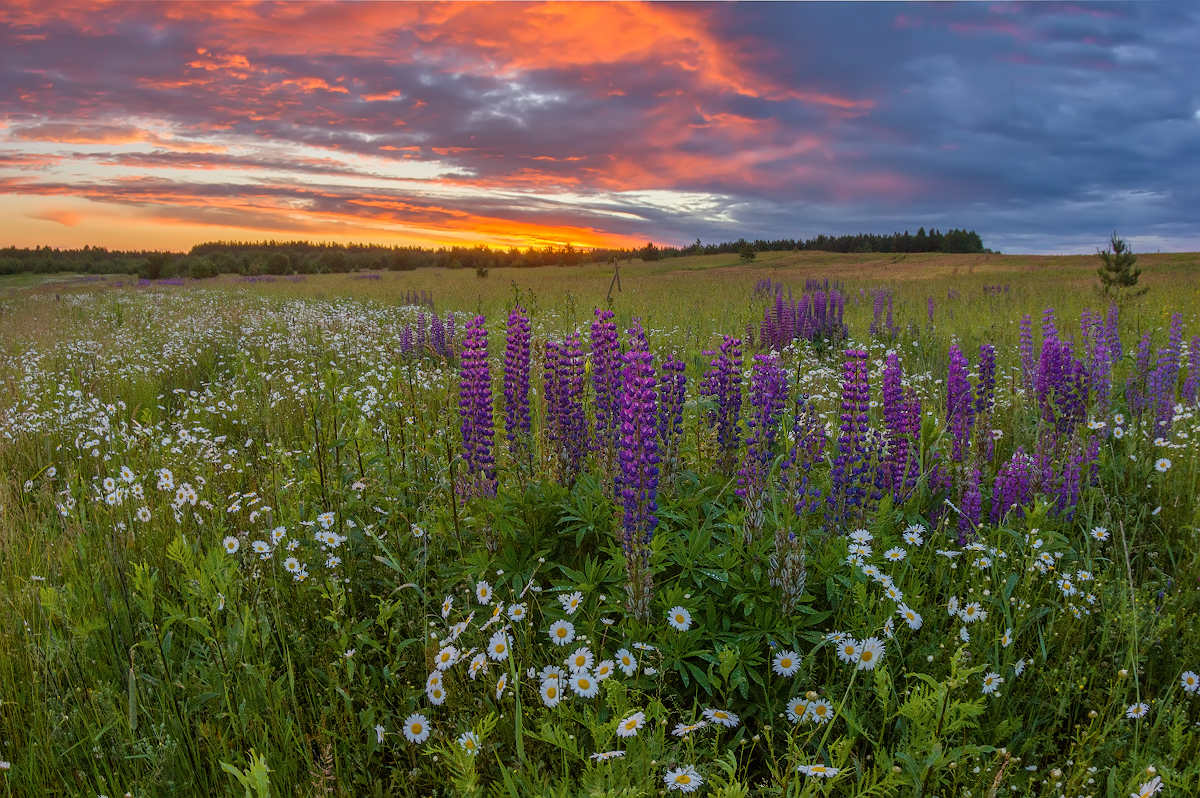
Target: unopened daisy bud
point(1123, 672)
point(810, 695)
point(895, 768)
point(1056, 774)
point(953, 765)
point(1151, 770)
point(1093, 714)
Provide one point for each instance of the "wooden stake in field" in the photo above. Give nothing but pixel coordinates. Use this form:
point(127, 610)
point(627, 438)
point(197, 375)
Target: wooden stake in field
point(616, 280)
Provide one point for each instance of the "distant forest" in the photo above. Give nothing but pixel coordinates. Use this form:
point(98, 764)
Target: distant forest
point(303, 257)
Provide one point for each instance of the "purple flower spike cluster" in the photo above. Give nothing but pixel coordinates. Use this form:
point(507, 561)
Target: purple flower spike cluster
point(850, 476)
point(1135, 386)
point(902, 415)
point(1191, 385)
point(817, 316)
point(1025, 347)
point(606, 382)
point(882, 301)
point(768, 394)
point(1061, 381)
point(475, 409)
point(971, 507)
point(431, 334)
point(1164, 379)
point(672, 390)
point(563, 388)
point(1014, 486)
point(723, 384)
point(1097, 354)
point(960, 410)
point(638, 480)
point(516, 382)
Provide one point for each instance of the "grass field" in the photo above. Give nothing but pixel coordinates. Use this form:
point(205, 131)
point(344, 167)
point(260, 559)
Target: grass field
point(289, 536)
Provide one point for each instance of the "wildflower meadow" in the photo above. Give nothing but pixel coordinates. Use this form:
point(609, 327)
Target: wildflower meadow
point(750, 530)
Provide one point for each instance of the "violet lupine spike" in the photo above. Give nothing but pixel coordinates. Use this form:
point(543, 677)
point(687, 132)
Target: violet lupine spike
point(406, 340)
point(1191, 384)
point(1135, 386)
point(573, 440)
point(1112, 333)
point(960, 416)
point(437, 337)
point(1165, 379)
point(1061, 382)
point(929, 309)
point(970, 509)
point(421, 334)
point(768, 395)
point(850, 475)
point(638, 480)
point(606, 383)
point(1013, 488)
point(672, 391)
point(902, 418)
point(808, 449)
point(723, 383)
point(475, 409)
point(517, 426)
point(1025, 348)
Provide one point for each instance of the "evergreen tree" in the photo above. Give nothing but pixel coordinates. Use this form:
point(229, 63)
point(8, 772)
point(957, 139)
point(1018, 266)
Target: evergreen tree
point(1118, 275)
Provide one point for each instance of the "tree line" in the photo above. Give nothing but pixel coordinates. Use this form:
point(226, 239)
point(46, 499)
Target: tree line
point(305, 257)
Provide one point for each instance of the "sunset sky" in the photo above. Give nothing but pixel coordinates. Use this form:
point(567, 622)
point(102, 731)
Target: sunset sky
point(1043, 126)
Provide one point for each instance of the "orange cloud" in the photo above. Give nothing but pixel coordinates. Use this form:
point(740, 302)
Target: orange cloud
point(63, 217)
point(70, 133)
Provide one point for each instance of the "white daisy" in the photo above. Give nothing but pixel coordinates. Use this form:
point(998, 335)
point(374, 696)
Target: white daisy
point(445, 658)
point(478, 666)
point(483, 593)
point(786, 663)
point(562, 633)
point(469, 742)
point(517, 612)
point(992, 682)
point(861, 536)
point(848, 650)
point(796, 708)
point(571, 602)
point(1019, 667)
point(1189, 681)
point(872, 651)
point(626, 661)
point(973, 612)
point(416, 728)
point(818, 771)
point(679, 618)
point(584, 684)
point(581, 660)
point(604, 669)
point(912, 535)
point(895, 554)
point(551, 693)
point(604, 756)
point(501, 684)
point(447, 605)
point(1137, 711)
point(684, 729)
point(630, 726)
point(1149, 789)
point(910, 616)
point(231, 544)
point(952, 607)
point(1006, 638)
point(722, 717)
point(684, 779)
point(819, 711)
point(498, 646)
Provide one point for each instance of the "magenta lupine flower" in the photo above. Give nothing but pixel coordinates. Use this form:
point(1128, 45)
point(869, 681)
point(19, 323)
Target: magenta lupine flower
point(1191, 384)
point(960, 413)
point(516, 382)
point(1013, 488)
point(723, 384)
point(475, 409)
point(638, 456)
point(563, 388)
point(902, 417)
point(971, 506)
point(672, 390)
point(606, 380)
point(850, 475)
point(768, 394)
point(1025, 348)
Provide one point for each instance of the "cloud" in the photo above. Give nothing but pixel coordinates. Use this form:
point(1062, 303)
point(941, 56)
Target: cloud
point(63, 217)
point(1040, 125)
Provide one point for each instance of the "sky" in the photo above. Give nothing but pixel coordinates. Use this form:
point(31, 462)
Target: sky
point(1043, 126)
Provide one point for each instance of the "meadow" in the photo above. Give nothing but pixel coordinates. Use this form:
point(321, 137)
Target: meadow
point(816, 524)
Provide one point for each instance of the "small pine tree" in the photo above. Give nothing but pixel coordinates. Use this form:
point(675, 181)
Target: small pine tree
point(1118, 275)
point(747, 253)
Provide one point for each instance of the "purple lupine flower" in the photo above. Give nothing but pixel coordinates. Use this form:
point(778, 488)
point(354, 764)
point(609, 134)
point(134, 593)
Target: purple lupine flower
point(449, 334)
point(1061, 381)
point(1191, 384)
point(638, 480)
point(1135, 387)
point(437, 337)
point(808, 449)
point(421, 333)
point(516, 382)
point(1112, 333)
point(1013, 489)
point(672, 390)
point(564, 398)
point(902, 418)
point(850, 474)
point(606, 383)
point(985, 390)
point(768, 394)
point(970, 508)
point(929, 308)
point(723, 383)
point(475, 409)
point(406, 340)
point(1165, 379)
point(960, 415)
point(1025, 347)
